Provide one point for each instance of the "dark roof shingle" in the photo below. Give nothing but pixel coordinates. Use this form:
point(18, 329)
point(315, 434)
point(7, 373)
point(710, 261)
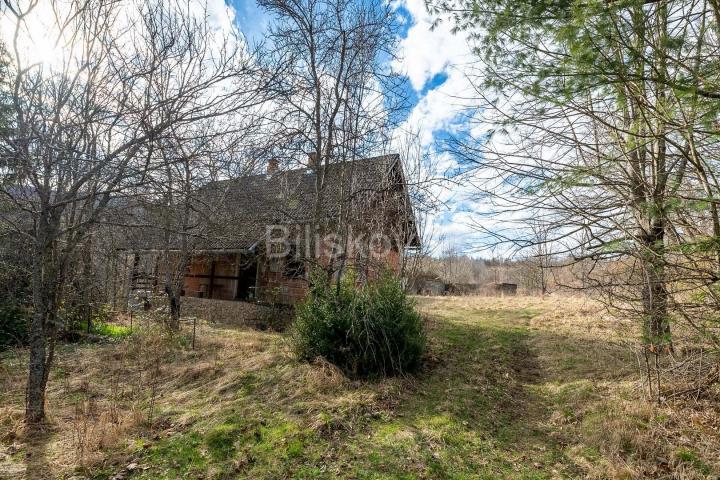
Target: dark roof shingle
point(238, 211)
point(249, 204)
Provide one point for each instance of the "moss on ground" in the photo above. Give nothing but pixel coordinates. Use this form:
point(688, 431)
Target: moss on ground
point(511, 388)
point(469, 415)
point(111, 330)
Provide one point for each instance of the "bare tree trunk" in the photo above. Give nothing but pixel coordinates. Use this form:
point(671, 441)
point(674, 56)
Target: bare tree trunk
point(174, 303)
point(42, 328)
point(35, 394)
point(655, 295)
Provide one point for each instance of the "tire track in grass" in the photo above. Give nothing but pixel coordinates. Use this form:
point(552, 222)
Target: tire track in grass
point(475, 414)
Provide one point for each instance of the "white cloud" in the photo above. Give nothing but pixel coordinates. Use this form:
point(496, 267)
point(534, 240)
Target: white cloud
point(221, 15)
point(425, 52)
point(468, 215)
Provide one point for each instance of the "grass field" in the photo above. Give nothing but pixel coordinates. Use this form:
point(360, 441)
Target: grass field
point(512, 388)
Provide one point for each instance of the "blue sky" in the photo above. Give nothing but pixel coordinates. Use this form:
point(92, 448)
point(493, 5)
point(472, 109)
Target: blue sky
point(431, 60)
point(250, 18)
point(253, 22)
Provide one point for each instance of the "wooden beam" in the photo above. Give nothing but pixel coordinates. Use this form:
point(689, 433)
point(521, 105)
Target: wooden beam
point(212, 279)
point(237, 279)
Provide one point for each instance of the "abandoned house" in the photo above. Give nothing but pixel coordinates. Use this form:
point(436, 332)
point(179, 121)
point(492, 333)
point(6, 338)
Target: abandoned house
point(256, 235)
point(427, 284)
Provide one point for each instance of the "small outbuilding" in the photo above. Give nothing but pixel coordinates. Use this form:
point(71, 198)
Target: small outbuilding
point(427, 284)
point(504, 288)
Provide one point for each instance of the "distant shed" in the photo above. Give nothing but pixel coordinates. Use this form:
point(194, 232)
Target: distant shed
point(427, 285)
point(462, 288)
point(505, 288)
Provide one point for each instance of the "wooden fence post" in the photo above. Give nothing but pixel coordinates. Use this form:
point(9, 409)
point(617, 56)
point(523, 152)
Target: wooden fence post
point(193, 337)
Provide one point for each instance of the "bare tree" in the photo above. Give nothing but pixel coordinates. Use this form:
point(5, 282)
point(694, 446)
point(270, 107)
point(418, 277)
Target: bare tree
point(424, 184)
point(331, 106)
point(601, 119)
point(84, 128)
point(540, 254)
point(189, 207)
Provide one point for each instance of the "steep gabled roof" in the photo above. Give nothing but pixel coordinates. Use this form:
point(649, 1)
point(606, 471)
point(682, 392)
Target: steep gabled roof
point(241, 209)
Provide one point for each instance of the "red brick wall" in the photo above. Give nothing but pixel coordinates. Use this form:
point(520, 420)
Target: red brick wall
point(275, 287)
point(272, 286)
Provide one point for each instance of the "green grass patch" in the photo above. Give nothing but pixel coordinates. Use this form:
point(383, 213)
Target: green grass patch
point(488, 403)
point(268, 446)
point(111, 330)
point(221, 440)
point(687, 456)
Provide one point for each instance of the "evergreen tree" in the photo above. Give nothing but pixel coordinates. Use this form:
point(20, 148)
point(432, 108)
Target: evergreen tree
point(604, 118)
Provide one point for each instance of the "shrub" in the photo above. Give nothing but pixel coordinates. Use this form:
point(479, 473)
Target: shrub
point(13, 325)
point(75, 319)
point(367, 331)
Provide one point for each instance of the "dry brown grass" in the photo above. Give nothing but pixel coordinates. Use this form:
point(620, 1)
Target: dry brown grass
point(577, 382)
point(98, 395)
point(590, 372)
point(152, 385)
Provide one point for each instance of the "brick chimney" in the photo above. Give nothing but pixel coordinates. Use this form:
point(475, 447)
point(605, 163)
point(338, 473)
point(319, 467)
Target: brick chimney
point(273, 166)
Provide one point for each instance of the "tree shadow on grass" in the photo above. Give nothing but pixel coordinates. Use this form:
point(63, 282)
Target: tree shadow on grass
point(478, 412)
point(37, 463)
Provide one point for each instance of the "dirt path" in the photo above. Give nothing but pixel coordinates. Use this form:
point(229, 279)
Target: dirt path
point(481, 398)
point(515, 388)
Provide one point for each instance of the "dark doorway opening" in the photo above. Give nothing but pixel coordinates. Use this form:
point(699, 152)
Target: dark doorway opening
point(246, 277)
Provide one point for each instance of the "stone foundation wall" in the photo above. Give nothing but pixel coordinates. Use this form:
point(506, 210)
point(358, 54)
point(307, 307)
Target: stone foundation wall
point(234, 312)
